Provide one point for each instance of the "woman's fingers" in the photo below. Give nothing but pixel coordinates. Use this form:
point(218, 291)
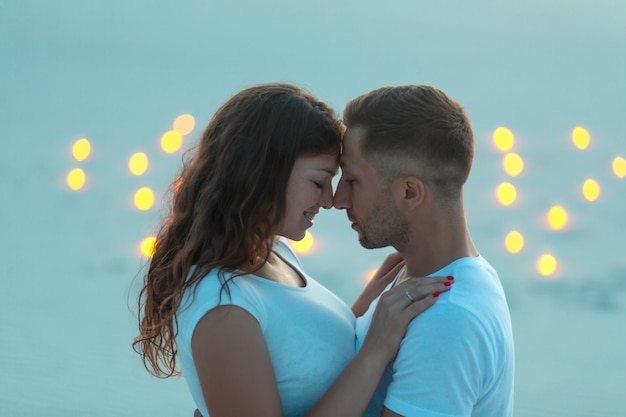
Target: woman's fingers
point(397, 307)
point(421, 293)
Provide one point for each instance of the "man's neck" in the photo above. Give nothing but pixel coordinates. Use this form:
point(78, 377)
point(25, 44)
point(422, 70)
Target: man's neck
point(432, 248)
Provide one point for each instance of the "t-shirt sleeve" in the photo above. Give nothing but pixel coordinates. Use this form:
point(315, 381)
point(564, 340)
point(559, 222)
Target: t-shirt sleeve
point(436, 372)
point(209, 295)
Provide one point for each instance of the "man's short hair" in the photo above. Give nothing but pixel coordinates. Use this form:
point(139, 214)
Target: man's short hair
point(418, 130)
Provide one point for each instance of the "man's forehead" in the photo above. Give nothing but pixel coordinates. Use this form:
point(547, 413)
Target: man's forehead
point(354, 133)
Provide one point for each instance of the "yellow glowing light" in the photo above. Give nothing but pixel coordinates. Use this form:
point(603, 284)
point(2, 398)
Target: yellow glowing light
point(546, 265)
point(513, 164)
point(591, 190)
point(506, 193)
point(81, 149)
point(184, 124)
point(503, 138)
point(514, 241)
point(144, 198)
point(619, 167)
point(580, 137)
point(76, 179)
point(557, 217)
point(305, 245)
point(147, 246)
point(369, 275)
point(171, 141)
point(138, 163)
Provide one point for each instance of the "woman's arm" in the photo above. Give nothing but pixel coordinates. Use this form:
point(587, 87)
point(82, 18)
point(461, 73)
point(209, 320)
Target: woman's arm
point(236, 374)
point(234, 366)
point(387, 271)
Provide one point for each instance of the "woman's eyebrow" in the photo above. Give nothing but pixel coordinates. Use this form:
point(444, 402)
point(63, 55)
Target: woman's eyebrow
point(329, 171)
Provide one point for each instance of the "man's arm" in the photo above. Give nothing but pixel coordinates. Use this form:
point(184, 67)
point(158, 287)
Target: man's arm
point(387, 271)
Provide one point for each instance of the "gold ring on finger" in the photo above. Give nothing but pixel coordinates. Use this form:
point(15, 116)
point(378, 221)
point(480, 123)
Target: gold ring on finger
point(408, 295)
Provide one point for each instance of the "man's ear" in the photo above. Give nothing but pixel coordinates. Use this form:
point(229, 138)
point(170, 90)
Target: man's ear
point(411, 191)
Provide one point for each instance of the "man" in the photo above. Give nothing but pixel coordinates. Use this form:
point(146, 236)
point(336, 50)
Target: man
point(407, 152)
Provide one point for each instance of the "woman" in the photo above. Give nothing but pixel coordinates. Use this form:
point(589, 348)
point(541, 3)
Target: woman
point(226, 296)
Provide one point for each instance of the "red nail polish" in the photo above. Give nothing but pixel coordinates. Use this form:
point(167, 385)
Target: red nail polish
point(436, 294)
point(447, 284)
point(450, 277)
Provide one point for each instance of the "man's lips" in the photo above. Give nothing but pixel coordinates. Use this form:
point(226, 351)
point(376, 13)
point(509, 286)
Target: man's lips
point(353, 221)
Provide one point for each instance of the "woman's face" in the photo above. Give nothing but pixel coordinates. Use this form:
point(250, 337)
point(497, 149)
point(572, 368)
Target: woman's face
point(308, 189)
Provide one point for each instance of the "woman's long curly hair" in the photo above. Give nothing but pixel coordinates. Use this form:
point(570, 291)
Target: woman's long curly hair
point(228, 203)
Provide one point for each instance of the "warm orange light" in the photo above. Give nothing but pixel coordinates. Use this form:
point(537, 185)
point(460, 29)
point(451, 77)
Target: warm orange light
point(619, 167)
point(580, 137)
point(305, 245)
point(557, 218)
point(144, 198)
point(591, 190)
point(76, 179)
point(147, 246)
point(138, 163)
point(171, 141)
point(81, 149)
point(514, 242)
point(546, 265)
point(503, 138)
point(367, 277)
point(513, 164)
point(506, 193)
point(184, 124)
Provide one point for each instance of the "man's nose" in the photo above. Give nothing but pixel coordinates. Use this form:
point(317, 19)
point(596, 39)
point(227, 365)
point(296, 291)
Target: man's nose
point(341, 199)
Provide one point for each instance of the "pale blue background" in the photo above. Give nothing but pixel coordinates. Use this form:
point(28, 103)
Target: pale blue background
point(120, 72)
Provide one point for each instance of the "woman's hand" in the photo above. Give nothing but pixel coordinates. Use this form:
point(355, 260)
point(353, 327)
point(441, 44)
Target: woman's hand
point(387, 271)
point(395, 310)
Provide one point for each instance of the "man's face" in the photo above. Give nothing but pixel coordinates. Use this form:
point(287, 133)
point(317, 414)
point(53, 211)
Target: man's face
point(369, 207)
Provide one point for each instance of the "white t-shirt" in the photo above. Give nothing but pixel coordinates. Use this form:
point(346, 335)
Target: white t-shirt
point(457, 357)
point(309, 332)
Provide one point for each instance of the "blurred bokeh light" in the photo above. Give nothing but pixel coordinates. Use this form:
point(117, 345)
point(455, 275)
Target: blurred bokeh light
point(184, 124)
point(503, 139)
point(514, 242)
point(546, 265)
point(81, 149)
point(146, 247)
point(619, 167)
point(144, 198)
point(367, 277)
point(557, 218)
point(591, 190)
point(581, 138)
point(305, 245)
point(513, 164)
point(171, 141)
point(138, 163)
point(506, 193)
point(76, 179)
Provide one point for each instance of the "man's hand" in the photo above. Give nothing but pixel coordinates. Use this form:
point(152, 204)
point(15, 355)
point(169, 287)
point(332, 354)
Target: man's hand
point(383, 276)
